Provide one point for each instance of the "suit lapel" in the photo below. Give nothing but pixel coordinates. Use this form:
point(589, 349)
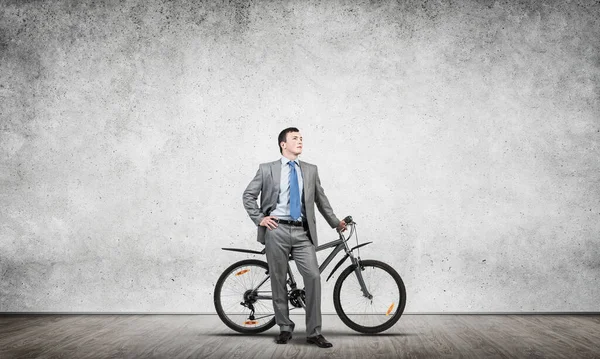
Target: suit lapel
point(276, 176)
point(305, 176)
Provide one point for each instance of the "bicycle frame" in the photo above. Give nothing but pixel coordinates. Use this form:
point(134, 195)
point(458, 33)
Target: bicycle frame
point(337, 245)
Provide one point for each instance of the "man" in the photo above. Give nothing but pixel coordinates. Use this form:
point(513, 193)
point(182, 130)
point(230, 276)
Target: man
point(289, 189)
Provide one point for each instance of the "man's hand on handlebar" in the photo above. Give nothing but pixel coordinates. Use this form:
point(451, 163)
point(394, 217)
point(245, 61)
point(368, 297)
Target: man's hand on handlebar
point(269, 222)
point(342, 226)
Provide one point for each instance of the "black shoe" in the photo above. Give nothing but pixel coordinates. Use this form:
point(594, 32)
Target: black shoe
point(284, 337)
point(320, 341)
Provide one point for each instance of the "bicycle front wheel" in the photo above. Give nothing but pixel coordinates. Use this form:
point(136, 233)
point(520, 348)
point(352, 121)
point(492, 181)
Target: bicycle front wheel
point(376, 312)
point(243, 298)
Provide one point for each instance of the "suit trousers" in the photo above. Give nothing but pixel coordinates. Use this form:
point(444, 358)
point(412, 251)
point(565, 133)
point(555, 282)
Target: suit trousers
point(279, 243)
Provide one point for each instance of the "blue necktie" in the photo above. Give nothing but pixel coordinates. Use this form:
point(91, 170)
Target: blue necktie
point(295, 209)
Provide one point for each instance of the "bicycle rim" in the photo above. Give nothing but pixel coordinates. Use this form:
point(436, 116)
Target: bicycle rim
point(370, 315)
point(235, 287)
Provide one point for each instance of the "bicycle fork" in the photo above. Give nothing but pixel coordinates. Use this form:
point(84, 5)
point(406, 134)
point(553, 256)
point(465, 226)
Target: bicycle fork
point(358, 271)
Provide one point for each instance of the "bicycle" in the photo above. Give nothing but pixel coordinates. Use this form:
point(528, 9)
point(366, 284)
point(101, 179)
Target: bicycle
point(370, 301)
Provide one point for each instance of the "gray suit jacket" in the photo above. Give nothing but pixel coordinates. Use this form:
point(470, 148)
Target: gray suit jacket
point(266, 183)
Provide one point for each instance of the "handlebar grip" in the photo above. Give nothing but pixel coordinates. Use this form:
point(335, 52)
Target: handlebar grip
point(348, 219)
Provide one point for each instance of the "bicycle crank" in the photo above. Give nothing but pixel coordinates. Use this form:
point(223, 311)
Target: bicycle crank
point(297, 298)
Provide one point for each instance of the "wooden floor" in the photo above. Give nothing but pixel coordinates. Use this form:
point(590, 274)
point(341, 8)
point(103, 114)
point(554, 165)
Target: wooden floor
point(204, 336)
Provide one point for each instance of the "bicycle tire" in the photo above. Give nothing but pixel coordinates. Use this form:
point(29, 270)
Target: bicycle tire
point(341, 311)
point(218, 301)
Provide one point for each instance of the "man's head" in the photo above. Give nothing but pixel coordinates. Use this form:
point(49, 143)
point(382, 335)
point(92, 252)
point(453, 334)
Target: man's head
point(290, 142)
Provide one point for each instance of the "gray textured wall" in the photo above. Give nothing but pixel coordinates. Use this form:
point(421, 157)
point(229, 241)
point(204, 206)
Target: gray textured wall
point(462, 136)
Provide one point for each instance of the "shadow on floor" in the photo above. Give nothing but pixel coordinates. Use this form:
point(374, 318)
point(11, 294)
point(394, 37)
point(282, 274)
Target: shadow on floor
point(328, 333)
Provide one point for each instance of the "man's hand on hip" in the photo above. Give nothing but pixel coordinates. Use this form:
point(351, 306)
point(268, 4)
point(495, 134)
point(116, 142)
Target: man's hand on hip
point(269, 222)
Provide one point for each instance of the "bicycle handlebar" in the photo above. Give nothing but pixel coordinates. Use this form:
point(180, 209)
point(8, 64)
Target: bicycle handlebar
point(348, 220)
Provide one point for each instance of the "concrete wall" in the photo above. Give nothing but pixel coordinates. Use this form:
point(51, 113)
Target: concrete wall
point(462, 136)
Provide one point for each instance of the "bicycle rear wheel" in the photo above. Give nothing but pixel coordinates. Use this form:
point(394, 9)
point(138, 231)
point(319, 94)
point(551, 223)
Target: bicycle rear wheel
point(243, 298)
point(370, 315)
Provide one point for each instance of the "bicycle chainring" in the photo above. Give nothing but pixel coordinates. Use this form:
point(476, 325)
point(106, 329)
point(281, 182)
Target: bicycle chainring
point(297, 297)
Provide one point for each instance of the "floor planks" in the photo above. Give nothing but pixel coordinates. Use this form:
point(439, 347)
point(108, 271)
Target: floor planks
point(204, 336)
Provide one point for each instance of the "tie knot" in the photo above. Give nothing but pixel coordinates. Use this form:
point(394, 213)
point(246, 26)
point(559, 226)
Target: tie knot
point(292, 163)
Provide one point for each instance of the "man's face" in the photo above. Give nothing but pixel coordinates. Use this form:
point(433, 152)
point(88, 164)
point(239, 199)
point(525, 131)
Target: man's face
point(293, 143)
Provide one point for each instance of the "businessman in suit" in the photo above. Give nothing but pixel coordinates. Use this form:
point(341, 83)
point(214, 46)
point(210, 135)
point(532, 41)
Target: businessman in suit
point(289, 189)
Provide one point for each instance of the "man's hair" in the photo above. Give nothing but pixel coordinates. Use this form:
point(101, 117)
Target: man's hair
point(283, 136)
